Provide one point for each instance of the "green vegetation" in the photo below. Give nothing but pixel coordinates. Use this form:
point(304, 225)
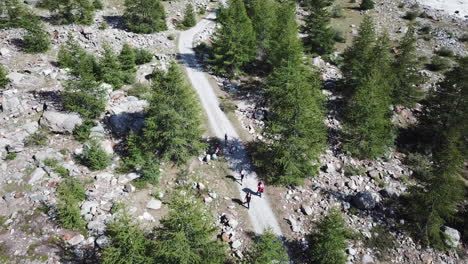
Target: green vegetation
point(381, 241)
point(145, 16)
point(10, 156)
point(317, 27)
point(263, 15)
point(140, 90)
point(411, 15)
point(406, 69)
point(109, 67)
point(94, 157)
point(81, 132)
point(85, 97)
point(3, 77)
point(350, 170)
point(445, 52)
point(71, 11)
point(439, 63)
point(367, 4)
point(268, 249)
point(328, 242)
point(69, 193)
point(234, 42)
point(189, 17)
point(142, 56)
point(369, 131)
point(37, 139)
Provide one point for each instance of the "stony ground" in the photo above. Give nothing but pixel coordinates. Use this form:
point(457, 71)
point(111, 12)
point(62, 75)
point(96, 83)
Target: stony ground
point(29, 232)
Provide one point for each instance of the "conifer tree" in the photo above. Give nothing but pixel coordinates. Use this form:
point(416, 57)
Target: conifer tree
point(173, 125)
point(234, 43)
point(368, 120)
point(71, 11)
point(268, 249)
point(84, 96)
point(127, 60)
point(128, 243)
point(285, 44)
point(145, 16)
point(3, 77)
point(110, 70)
point(317, 27)
point(328, 243)
point(406, 69)
point(36, 39)
point(189, 17)
point(263, 13)
point(438, 199)
point(367, 4)
point(186, 235)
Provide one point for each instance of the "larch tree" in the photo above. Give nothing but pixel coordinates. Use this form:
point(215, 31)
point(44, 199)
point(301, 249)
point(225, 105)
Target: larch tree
point(317, 27)
point(145, 16)
point(187, 236)
point(406, 69)
point(263, 13)
point(268, 249)
point(234, 43)
point(71, 11)
point(189, 17)
point(127, 58)
point(109, 66)
point(172, 127)
point(328, 243)
point(3, 77)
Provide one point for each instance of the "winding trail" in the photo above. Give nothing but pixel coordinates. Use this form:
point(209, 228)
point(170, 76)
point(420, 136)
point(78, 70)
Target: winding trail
point(260, 213)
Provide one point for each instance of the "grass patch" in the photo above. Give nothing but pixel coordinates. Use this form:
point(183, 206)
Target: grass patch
point(10, 156)
point(350, 170)
point(69, 193)
point(381, 241)
point(81, 132)
point(439, 63)
point(227, 105)
point(140, 90)
point(411, 15)
point(37, 139)
point(445, 52)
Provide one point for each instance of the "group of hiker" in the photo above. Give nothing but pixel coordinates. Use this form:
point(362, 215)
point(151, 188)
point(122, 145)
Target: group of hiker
point(260, 185)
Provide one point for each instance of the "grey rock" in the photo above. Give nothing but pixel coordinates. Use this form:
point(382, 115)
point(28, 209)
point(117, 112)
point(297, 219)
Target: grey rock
point(236, 244)
point(351, 251)
point(106, 145)
point(364, 201)
point(48, 153)
point(307, 210)
point(4, 52)
point(11, 103)
point(102, 241)
point(60, 122)
point(129, 188)
point(97, 226)
point(88, 206)
point(154, 204)
point(97, 132)
point(76, 240)
point(294, 225)
point(367, 259)
point(37, 175)
point(452, 236)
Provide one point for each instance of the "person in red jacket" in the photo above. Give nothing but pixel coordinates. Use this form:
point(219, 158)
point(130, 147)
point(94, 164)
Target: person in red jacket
point(260, 188)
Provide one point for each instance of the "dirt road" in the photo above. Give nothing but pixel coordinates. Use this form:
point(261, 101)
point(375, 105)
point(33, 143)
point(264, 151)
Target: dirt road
point(260, 213)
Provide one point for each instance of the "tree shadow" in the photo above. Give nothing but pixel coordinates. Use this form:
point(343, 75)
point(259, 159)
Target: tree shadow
point(50, 99)
point(121, 124)
point(116, 22)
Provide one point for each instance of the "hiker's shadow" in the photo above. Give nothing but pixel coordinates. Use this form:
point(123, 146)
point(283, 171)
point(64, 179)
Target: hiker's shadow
point(248, 190)
point(232, 178)
point(238, 201)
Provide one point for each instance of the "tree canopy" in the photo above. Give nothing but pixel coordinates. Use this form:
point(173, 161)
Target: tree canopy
point(145, 16)
point(317, 27)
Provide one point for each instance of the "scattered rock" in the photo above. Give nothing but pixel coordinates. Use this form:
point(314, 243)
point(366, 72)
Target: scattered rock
point(129, 188)
point(102, 241)
point(76, 240)
point(236, 244)
point(367, 259)
point(294, 225)
point(154, 204)
point(351, 251)
point(452, 237)
point(364, 201)
point(307, 210)
point(37, 175)
point(60, 122)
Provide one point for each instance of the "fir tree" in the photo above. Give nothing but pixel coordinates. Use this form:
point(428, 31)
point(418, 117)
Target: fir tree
point(268, 249)
point(110, 68)
point(263, 12)
point(285, 45)
point(367, 4)
point(186, 235)
point(328, 243)
point(85, 97)
point(128, 243)
point(94, 156)
point(145, 16)
point(127, 60)
point(189, 17)
point(406, 69)
point(71, 11)
point(295, 123)
point(173, 124)
point(317, 27)
point(234, 43)
point(3, 77)
point(437, 201)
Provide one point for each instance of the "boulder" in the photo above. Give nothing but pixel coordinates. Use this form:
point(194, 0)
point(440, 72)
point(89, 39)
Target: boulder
point(364, 201)
point(351, 251)
point(76, 240)
point(129, 188)
point(37, 175)
point(367, 259)
point(154, 204)
point(88, 206)
point(11, 103)
point(452, 236)
point(106, 145)
point(60, 122)
point(4, 52)
point(236, 244)
point(294, 225)
point(307, 210)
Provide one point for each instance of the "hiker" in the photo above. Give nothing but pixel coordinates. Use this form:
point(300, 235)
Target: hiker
point(260, 188)
point(248, 197)
point(242, 174)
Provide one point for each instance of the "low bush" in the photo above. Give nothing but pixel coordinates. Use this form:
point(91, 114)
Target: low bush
point(81, 132)
point(143, 56)
point(98, 4)
point(37, 139)
point(10, 156)
point(69, 193)
point(103, 25)
point(140, 90)
point(227, 106)
point(337, 11)
point(36, 40)
point(425, 29)
point(439, 64)
point(3, 77)
point(381, 242)
point(171, 37)
point(367, 4)
point(338, 36)
point(411, 15)
point(149, 174)
point(94, 157)
point(85, 97)
point(445, 52)
point(420, 165)
point(463, 38)
point(350, 170)
point(189, 17)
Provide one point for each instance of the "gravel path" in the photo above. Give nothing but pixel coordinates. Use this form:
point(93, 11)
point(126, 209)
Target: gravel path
point(260, 213)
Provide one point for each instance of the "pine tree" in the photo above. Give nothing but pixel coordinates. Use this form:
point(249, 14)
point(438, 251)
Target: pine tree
point(189, 17)
point(328, 243)
point(263, 12)
point(357, 56)
point(71, 11)
point(437, 201)
point(234, 43)
point(186, 235)
point(145, 16)
point(317, 27)
point(84, 96)
point(128, 243)
point(295, 123)
point(285, 45)
point(268, 249)
point(110, 68)
point(406, 69)
point(367, 4)
point(173, 124)
point(3, 77)
point(368, 121)
point(127, 60)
